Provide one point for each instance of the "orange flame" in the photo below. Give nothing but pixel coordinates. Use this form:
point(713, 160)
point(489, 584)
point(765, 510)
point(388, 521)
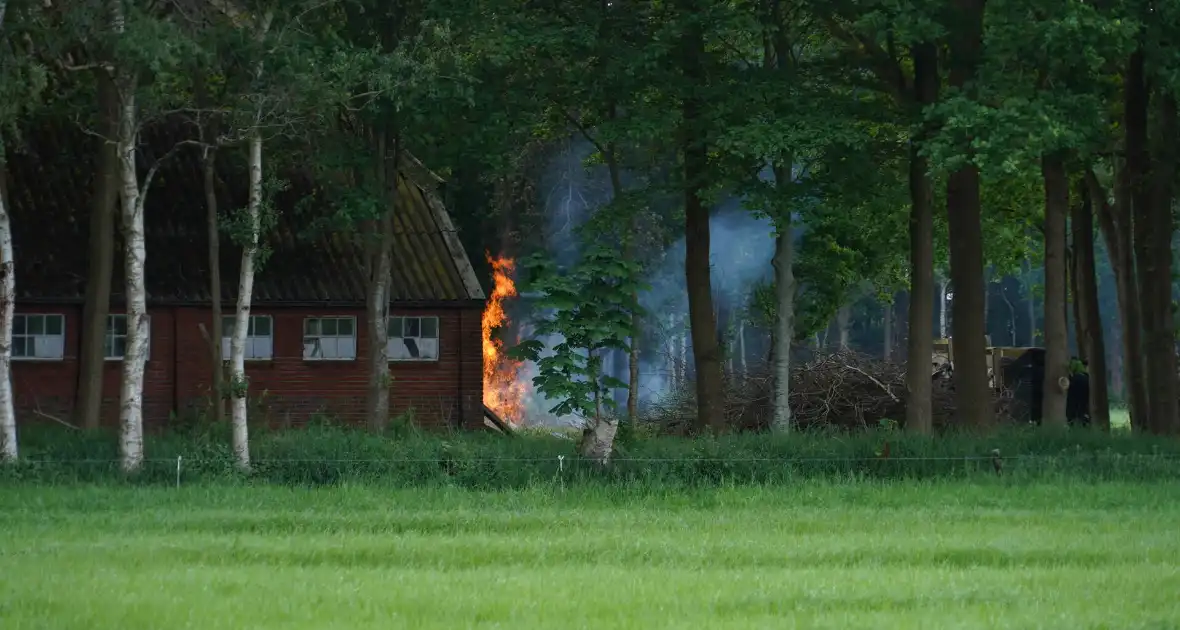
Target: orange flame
point(503, 390)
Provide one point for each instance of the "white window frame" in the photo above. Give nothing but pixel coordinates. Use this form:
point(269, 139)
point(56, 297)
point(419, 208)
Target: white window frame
point(394, 340)
point(42, 336)
point(109, 337)
point(310, 342)
point(255, 343)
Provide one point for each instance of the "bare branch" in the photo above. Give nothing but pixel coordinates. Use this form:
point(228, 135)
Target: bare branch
point(42, 414)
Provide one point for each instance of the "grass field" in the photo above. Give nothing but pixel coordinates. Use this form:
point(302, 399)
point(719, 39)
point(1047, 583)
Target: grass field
point(817, 555)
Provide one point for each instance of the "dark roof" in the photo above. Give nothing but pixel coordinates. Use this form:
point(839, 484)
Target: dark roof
point(50, 181)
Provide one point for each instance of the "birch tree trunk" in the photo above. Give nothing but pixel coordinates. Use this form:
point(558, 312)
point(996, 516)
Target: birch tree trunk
point(134, 258)
point(8, 446)
point(598, 437)
point(888, 332)
point(239, 386)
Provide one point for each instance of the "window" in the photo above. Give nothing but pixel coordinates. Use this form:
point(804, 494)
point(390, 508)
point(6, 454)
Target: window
point(329, 338)
point(114, 345)
point(259, 337)
point(38, 336)
point(413, 339)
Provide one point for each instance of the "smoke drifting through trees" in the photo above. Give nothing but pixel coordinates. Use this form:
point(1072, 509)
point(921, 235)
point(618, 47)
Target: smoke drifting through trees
point(742, 246)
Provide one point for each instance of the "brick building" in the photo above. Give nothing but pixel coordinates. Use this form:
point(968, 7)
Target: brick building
point(307, 347)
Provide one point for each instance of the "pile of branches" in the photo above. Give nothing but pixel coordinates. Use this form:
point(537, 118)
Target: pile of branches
point(841, 390)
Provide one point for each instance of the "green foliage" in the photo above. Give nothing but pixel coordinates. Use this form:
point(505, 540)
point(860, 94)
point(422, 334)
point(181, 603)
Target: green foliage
point(239, 227)
point(23, 78)
point(589, 306)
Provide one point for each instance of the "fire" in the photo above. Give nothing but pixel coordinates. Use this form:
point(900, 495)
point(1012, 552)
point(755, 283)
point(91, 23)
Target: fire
point(503, 390)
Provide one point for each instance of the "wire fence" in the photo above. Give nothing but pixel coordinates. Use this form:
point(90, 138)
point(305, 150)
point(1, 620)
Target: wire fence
point(629, 460)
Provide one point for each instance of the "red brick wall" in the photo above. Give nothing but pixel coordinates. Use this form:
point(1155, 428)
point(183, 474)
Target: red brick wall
point(50, 386)
point(286, 390)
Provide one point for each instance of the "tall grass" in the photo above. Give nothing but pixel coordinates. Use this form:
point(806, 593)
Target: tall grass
point(323, 453)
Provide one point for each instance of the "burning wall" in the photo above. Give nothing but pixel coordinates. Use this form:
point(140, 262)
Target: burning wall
point(504, 389)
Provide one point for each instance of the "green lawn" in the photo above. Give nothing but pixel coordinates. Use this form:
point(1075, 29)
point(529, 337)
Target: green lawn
point(817, 555)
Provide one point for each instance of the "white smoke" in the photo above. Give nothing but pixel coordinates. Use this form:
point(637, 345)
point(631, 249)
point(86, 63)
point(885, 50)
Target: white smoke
point(741, 248)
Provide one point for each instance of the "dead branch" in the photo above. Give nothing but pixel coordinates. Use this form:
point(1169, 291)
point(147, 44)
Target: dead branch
point(41, 414)
point(842, 390)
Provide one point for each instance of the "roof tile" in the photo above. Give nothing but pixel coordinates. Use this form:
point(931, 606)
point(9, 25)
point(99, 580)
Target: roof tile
point(50, 181)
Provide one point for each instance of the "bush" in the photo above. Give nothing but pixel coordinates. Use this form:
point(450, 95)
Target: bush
point(322, 454)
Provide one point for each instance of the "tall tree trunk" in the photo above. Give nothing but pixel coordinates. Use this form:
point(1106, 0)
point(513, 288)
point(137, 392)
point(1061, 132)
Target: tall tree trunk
point(987, 307)
point(616, 183)
point(380, 269)
point(1056, 328)
point(1114, 233)
point(1155, 269)
point(777, 58)
point(1132, 199)
point(101, 259)
point(1072, 295)
point(887, 325)
point(1030, 303)
point(213, 229)
point(706, 355)
point(972, 392)
point(8, 445)
point(1087, 295)
point(134, 259)
point(942, 291)
point(1011, 315)
point(843, 323)
point(784, 325)
point(920, 338)
point(239, 385)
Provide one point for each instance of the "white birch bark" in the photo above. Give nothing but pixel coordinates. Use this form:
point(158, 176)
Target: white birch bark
point(8, 447)
point(239, 385)
point(134, 258)
point(237, 345)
